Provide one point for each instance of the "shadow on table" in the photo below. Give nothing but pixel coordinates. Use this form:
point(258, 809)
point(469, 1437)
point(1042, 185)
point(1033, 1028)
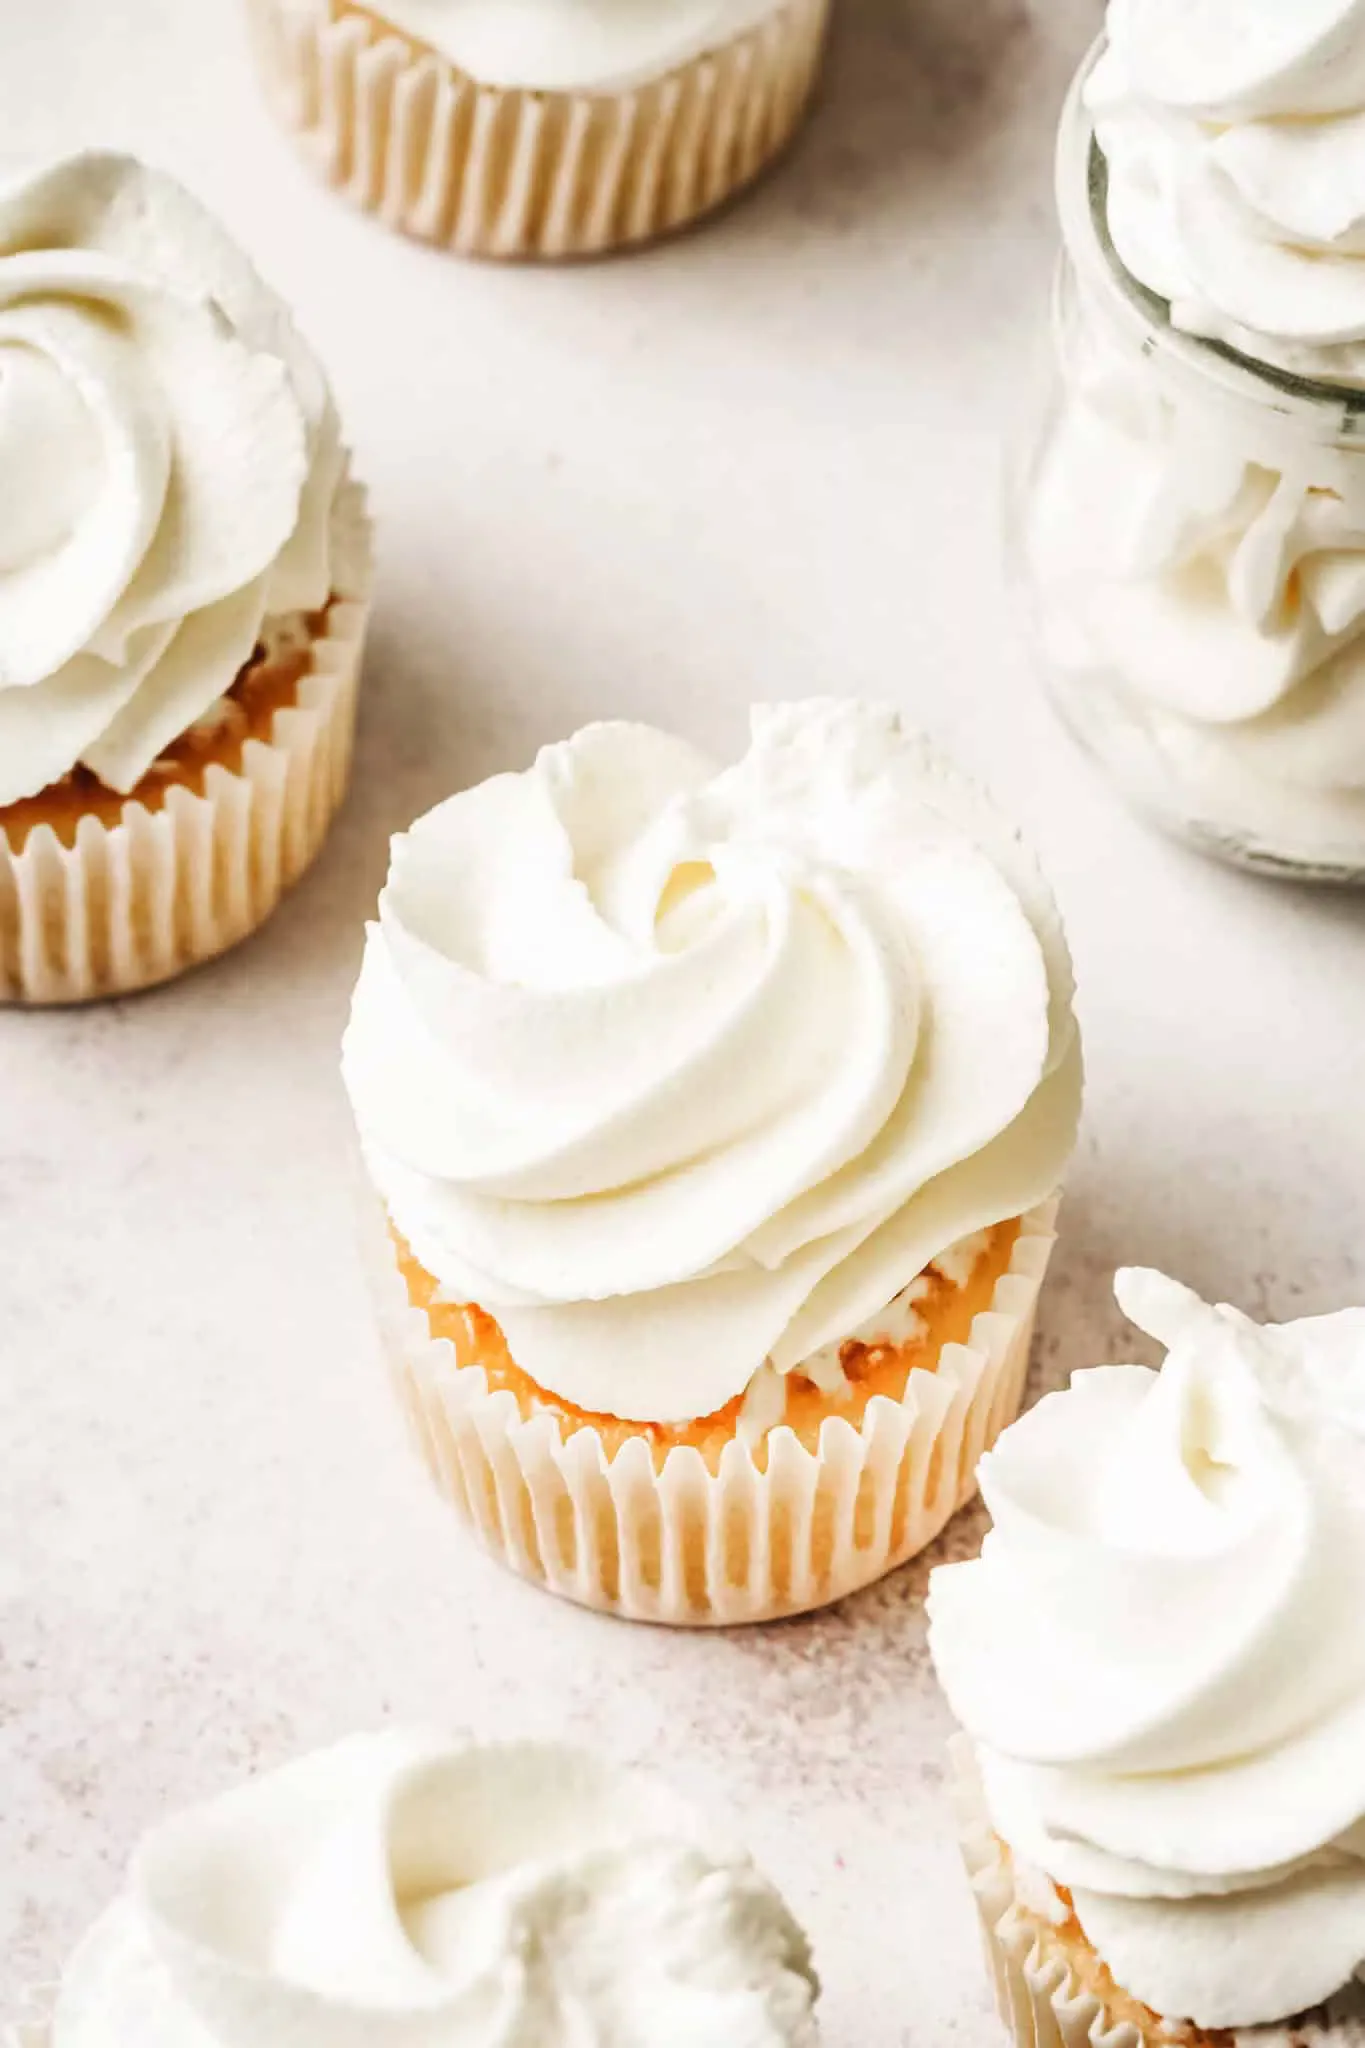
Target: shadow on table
point(910, 86)
point(919, 102)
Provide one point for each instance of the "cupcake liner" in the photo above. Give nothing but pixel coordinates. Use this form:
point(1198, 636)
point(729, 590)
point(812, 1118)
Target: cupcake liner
point(133, 903)
point(1038, 1993)
point(679, 1543)
point(498, 171)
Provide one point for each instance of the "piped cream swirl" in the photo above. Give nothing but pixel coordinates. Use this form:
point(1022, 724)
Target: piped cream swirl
point(1159, 1654)
point(401, 1891)
point(675, 1072)
point(1196, 535)
point(1219, 574)
point(1234, 134)
point(170, 457)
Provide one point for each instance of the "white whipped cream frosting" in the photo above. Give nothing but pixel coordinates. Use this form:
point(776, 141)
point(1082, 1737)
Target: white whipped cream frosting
point(170, 457)
point(1216, 576)
point(1196, 537)
point(678, 1071)
point(1161, 1659)
point(1234, 132)
point(572, 45)
point(1214, 570)
point(403, 1891)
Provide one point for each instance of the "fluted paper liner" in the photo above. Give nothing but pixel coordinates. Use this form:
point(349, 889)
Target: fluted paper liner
point(1038, 1991)
point(498, 171)
point(682, 1544)
point(133, 903)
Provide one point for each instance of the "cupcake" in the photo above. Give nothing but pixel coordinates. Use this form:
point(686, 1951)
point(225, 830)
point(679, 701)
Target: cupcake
point(184, 577)
point(1160, 1664)
point(540, 128)
point(716, 1119)
point(402, 1889)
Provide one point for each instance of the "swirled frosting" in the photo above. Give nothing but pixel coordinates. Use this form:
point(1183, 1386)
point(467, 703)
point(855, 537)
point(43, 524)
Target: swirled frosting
point(572, 45)
point(1221, 577)
point(400, 1891)
point(1160, 1656)
point(1234, 134)
point(170, 458)
point(676, 1071)
point(1196, 537)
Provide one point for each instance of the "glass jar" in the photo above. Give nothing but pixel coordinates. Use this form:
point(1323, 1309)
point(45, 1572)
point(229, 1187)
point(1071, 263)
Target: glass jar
point(1189, 526)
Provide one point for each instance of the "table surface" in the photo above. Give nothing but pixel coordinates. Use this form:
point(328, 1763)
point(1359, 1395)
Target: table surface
point(760, 461)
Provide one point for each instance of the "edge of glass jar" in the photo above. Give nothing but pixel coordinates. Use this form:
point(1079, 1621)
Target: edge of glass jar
point(1081, 190)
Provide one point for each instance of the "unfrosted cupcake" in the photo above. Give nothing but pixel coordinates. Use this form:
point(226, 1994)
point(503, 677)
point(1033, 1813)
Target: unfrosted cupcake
point(184, 580)
point(401, 1888)
point(1160, 1660)
point(540, 127)
point(717, 1118)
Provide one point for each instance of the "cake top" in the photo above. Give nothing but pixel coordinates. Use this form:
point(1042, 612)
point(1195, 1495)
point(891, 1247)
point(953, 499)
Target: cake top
point(171, 460)
point(677, 1070)
point(405, 1889)
point(1232, 131)
point(1160, 1655)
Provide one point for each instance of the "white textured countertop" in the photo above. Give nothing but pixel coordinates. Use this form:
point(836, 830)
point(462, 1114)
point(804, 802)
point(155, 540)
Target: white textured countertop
point(761, 461)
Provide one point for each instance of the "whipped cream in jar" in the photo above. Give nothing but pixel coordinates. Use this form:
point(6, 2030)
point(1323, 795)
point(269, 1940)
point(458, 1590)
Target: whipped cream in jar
point(1191, 518)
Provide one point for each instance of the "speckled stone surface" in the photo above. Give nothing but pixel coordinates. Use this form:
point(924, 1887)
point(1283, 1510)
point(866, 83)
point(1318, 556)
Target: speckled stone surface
point(761, 461)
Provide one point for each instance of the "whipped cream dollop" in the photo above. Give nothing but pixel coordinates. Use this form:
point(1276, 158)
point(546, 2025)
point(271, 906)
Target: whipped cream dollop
point(1234, 134)
point(677, 1071)
point(1212, 571)
point(1161, 1659)
point(573, 45)
point(1195, 536)
point(403, 1891)
point(170, 457)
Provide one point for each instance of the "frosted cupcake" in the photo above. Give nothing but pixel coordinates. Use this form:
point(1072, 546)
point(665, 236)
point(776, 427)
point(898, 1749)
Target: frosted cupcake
point(402, 1889)
point(717, 1118)
point(1160, 1660)
point(184, 578)
point(540, 127)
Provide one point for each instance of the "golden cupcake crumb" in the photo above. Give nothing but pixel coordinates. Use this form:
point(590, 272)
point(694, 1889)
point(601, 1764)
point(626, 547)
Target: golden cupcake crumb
point(268, 684)
point(1065, 1941)
point(945, 1312)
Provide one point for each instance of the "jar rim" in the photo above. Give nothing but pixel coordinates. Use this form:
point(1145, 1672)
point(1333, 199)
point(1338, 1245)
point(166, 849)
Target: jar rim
point(1082, 185)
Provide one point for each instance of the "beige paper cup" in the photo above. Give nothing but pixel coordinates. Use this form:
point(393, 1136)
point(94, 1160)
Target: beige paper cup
point(679, 1543)
point(1037, 1992)
point(493, 171)
point(1050, 1986)
point(163, 889)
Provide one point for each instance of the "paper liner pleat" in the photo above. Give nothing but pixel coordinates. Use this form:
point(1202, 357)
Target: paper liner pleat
point(492, 171)
point(133, 903)
point(1038, 1993)
point(680, 1543)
